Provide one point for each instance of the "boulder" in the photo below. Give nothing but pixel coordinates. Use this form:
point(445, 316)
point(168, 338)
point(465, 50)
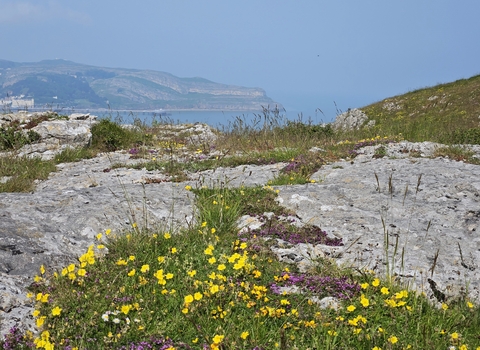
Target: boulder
point(353, 119)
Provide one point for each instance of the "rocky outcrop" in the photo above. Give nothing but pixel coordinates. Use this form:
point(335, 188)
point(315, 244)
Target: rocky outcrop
point(54, 133)
point(353, 119)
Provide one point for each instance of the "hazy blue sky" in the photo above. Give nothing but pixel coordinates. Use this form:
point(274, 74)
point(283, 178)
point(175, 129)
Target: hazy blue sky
point(306, 54)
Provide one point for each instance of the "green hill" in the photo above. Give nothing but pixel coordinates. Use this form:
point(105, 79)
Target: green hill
point(443, 113)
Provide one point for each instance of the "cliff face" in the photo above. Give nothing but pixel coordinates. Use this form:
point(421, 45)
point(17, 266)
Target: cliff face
point(68, 84)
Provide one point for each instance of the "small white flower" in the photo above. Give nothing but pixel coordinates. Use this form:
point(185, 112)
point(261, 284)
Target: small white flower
point(136, 320)
point(127, 320)
point(105, 317)
point(116, 320)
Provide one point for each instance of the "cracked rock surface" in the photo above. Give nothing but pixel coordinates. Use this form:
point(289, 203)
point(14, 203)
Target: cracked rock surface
point(426, 211)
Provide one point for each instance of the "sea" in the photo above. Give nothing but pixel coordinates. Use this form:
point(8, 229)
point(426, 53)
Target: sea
point(216, 119)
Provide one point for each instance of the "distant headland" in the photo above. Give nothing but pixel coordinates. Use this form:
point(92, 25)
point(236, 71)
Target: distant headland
point(69, 85)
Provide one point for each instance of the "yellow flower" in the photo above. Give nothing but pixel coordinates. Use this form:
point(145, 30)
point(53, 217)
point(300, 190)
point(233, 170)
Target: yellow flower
point(99, 236)
point(385, 291)
point(221, 267)
point(244, 335)
point(454, 336)
point(376, 348)
point(161, 259)
point(108, 231)
point(82, 272)
point(351, 308)
point(204, 224)
point(332, 333)
point(188, 188)
point(469, 305)
point(131, 273)
point(42, 269)
point(195, 341)
point(198, 296)
point(126, 309)
point(188, 299)
point(173, 250)
point(209, 250)
point(40, 321)
point(184, 310)
point(192, 273)
point(364, 285)
point(167, 235)
point(364, 301)
point(43, 297)
point(393, 339)
point(444, 306)
point(145, 268)
point(212, 260)
point(218, 339)
point(131, 258)
point(56, 311)
point(37, 279)
point(71, 268)
point(119, 262)
point(376, 282)
point(169, 276)
point(213, 230)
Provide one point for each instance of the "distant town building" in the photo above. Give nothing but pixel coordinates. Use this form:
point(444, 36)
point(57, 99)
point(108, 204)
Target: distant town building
point(17, 102)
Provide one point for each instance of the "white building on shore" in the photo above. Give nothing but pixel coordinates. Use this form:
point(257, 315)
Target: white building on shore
point(17, 102)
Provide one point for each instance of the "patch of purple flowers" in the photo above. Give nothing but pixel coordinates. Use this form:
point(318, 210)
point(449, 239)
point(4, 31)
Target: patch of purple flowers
point(154, 343)
point(354, 151)
point(294, 235)
point(303, 165)
point(339, 287)
point(14, 339)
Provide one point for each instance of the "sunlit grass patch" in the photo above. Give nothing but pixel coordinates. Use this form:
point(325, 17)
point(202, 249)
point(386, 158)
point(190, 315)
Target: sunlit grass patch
point(457, 153)
point(20, 172)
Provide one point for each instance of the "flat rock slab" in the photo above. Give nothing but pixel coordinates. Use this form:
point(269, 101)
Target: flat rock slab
point(426, 207)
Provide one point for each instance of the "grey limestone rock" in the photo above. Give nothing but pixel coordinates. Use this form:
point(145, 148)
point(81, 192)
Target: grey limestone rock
point(418, 208)
point(353, 119)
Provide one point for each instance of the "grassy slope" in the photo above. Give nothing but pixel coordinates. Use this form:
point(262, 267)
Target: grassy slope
point(440, 113)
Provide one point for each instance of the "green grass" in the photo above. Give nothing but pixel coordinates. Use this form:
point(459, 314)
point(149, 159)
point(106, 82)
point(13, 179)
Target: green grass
point(206, 286)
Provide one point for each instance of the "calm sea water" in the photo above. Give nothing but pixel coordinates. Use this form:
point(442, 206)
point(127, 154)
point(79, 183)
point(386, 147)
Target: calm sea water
point(216, 119)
